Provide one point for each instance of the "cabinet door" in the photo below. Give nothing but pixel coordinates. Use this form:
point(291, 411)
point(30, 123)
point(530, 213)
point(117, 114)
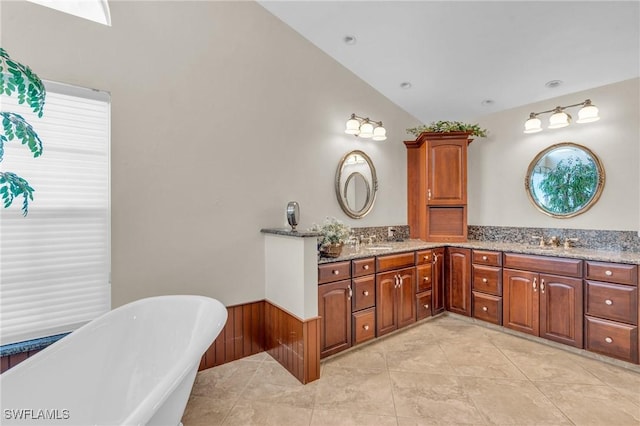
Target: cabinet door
point(437, 285)
point(386, 315)
point(406, 297)
point(334, 306)
point(520, 301)
point(561, 309)
point(458, 288)
point(447, 172)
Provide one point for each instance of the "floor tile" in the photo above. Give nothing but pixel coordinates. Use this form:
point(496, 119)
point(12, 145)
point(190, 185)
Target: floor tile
point(512, 402)
point(592, 405)
point(423, 358)
point(225, 381)
point(361, 391)
point(205, 411)
point(349, 418)
point(479, 361)
point(436, 399)
point(257, 413)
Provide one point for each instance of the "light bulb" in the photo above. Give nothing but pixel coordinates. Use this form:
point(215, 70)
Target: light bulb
point(353, 126)
point(366, 130)
point(588, 113)
point(379, 133)
point(559, 119)
point(533, 124)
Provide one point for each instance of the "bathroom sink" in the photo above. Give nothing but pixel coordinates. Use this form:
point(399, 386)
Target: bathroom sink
point(378, 248)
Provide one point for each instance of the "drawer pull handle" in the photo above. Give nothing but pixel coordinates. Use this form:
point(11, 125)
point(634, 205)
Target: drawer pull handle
point(484, 280)
point(608, 339)
point(366, 326)
point(535, 285)
point(484, 257)
point(426, 306)
point(484, 308)
point(425, 279)
point(542, 285)
point(608, 273)
point(608, 302)
point(365, 267)
point(336, 272)
point(366, 293)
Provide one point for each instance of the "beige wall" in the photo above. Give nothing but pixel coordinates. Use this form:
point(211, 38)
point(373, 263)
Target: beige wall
point(221, 114)
point(498, 164)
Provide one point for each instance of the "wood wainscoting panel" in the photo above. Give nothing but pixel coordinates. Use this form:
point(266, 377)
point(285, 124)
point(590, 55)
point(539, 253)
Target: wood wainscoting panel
point(242, 335)
point(6, 362)
point(293, 342)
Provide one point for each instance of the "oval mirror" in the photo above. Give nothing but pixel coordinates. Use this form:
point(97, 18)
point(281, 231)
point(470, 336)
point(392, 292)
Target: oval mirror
point(356, 184)
point(564, 180)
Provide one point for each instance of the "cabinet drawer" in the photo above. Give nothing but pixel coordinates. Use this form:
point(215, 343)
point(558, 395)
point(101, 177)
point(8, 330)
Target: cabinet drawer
point(484, 257)
point(551, 265)
point(424, 278)
point(487, 279)
point(395, 261)
point(364, 292)
point(333, 272)
point(613, 339)
point(423, 305)
point(611, 272)
point(364, 325)
point(424, 256)
point(362, 267)
point(487, 308)
point(612, 301)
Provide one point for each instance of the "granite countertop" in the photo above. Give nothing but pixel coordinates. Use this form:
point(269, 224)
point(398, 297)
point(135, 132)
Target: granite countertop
point(349, 253)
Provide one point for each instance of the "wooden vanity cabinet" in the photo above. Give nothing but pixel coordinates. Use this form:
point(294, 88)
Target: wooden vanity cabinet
point(424, 282)
point(395, 292)
point(364, 299)
point(437, 186)
point(611, 310)
point(334, 307)
point(487, 286)
point(543, 304)
point(438, 279)
point(458, 280)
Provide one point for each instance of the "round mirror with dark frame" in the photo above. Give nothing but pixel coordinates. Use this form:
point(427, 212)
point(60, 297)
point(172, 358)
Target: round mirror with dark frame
point(564, 180)
point(356, 184)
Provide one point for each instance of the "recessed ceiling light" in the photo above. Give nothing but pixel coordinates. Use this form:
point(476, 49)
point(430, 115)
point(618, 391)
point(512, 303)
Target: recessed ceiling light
point(405, 85)
point(349, 39)
point(553, 84)
point(487, 102)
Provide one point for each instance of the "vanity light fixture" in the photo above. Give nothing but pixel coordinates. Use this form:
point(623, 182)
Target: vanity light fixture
point(587, 114)
point(365, 128)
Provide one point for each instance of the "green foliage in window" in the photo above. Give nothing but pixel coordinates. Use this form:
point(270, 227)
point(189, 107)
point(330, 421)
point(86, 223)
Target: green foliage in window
point(18, 80)
point(570, 185)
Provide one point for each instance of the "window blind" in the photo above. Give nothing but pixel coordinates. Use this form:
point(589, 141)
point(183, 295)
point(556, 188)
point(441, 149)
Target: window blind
point(55, 262)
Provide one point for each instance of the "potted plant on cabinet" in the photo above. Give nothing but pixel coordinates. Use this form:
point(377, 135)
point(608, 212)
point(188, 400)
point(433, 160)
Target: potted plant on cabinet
point(447, 127)
point(333, 236)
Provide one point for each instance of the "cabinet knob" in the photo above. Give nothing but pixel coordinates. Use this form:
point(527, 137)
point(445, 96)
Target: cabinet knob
point(608, 339)
point(608, 273)
point(484, 257)
point(484, 280)
point(336, 272)
point(366, 293)
point(426, 306)
point(485, 309)
point(366, 326)
point(425, 257)
point(365, 267)
point(425, 279)
point(608, 302)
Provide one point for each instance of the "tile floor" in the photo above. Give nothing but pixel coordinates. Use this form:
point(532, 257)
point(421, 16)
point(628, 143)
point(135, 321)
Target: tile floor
point(445, 371)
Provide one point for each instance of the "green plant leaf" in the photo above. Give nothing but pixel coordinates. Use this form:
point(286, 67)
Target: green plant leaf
point(13, 186)
point(449, 126)
point(15, 126)
point(15, 77)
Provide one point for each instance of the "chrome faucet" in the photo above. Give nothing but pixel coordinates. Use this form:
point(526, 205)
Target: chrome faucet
point(541, 244)
point(569, 241)
point(554, 241)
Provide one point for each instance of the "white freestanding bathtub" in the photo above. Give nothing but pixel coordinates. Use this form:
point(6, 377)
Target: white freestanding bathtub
point(134, 365)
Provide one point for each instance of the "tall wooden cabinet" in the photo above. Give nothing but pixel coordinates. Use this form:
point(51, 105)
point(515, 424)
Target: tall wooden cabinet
point(437, 186)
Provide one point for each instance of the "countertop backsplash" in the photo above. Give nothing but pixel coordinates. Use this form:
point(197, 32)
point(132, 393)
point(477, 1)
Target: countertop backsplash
point(382, 232)
point(587, 238)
